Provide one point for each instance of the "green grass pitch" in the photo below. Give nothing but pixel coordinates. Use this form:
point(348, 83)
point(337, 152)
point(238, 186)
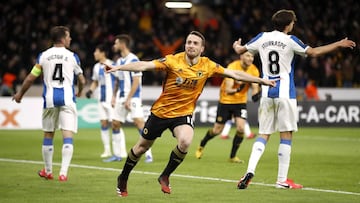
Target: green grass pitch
point(325, 160)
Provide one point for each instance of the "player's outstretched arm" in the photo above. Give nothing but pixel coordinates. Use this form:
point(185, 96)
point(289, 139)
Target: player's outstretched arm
point(318, 51)
point(136, 66)
point(243, 76)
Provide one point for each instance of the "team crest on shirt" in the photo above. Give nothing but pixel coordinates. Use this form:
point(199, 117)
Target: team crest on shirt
point(199, 73)
point(179, 81)
point(219, 118)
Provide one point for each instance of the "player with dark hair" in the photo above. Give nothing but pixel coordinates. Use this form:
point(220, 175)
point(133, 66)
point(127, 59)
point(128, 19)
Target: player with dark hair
point(103, 83)
point(278, 106)
point(187, 73)
point(58, 66)
point(127, 96)
point(232, 104)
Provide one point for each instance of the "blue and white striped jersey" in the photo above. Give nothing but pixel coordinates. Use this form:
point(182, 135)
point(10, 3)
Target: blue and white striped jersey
point(126, 77)
point(59, 67)
point(277, 51)
point(105, 82)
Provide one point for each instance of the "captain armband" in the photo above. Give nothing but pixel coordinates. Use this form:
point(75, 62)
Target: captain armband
point(36, 71)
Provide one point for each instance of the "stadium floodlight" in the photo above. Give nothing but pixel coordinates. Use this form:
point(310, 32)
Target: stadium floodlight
point(178, 4)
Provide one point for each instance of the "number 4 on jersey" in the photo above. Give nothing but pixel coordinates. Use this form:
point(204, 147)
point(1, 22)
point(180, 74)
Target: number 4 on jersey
point(58, 74)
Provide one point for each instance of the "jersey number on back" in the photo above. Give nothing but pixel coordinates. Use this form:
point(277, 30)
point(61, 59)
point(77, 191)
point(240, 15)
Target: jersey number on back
point(58, 73)
point(274, 66)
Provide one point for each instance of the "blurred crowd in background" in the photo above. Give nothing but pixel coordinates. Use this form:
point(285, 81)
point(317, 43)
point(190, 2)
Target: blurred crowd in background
point(158, 31)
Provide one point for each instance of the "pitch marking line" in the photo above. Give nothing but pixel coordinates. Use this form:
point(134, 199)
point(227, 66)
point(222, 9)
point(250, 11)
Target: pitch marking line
point(177, 175)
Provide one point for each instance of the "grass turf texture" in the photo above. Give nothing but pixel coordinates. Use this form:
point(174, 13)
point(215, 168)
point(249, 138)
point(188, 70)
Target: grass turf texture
point(325, 160)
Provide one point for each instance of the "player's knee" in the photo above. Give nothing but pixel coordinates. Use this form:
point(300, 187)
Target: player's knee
point(239, 130)
point(116, 125)
point(217, 130)
point(184, 145)
point(142, 148)
point(139, 123)
point(104, 124)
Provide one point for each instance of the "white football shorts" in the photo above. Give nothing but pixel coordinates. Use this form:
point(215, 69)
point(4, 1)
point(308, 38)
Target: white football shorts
point(63, 117)
point(277, 114)
point(136, 110)
point(106, 111)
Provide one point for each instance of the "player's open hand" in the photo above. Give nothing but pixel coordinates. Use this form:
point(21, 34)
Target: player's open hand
point(237, 45)
point(17, 98)
point(347, 43)
point(78, 94)
point(271, 83)
point(108, 67)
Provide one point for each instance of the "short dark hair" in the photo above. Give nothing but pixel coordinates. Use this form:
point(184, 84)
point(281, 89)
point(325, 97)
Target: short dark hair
point(58, 32)
point(283, 18)
point(125, 39)
point(102, 48)
point(197, 33)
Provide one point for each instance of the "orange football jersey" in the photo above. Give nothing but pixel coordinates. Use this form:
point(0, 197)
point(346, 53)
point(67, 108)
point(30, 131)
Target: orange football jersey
point(182, 85)
point(238, 97)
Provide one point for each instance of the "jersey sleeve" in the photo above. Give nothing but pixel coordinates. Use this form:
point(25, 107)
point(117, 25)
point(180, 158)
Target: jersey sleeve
point(254, 43)
point(161, 64)
point(95, 73)
point(298, 46)
point(215, 69)
point(39, 59)
point(136, 74)
point(77, 69)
